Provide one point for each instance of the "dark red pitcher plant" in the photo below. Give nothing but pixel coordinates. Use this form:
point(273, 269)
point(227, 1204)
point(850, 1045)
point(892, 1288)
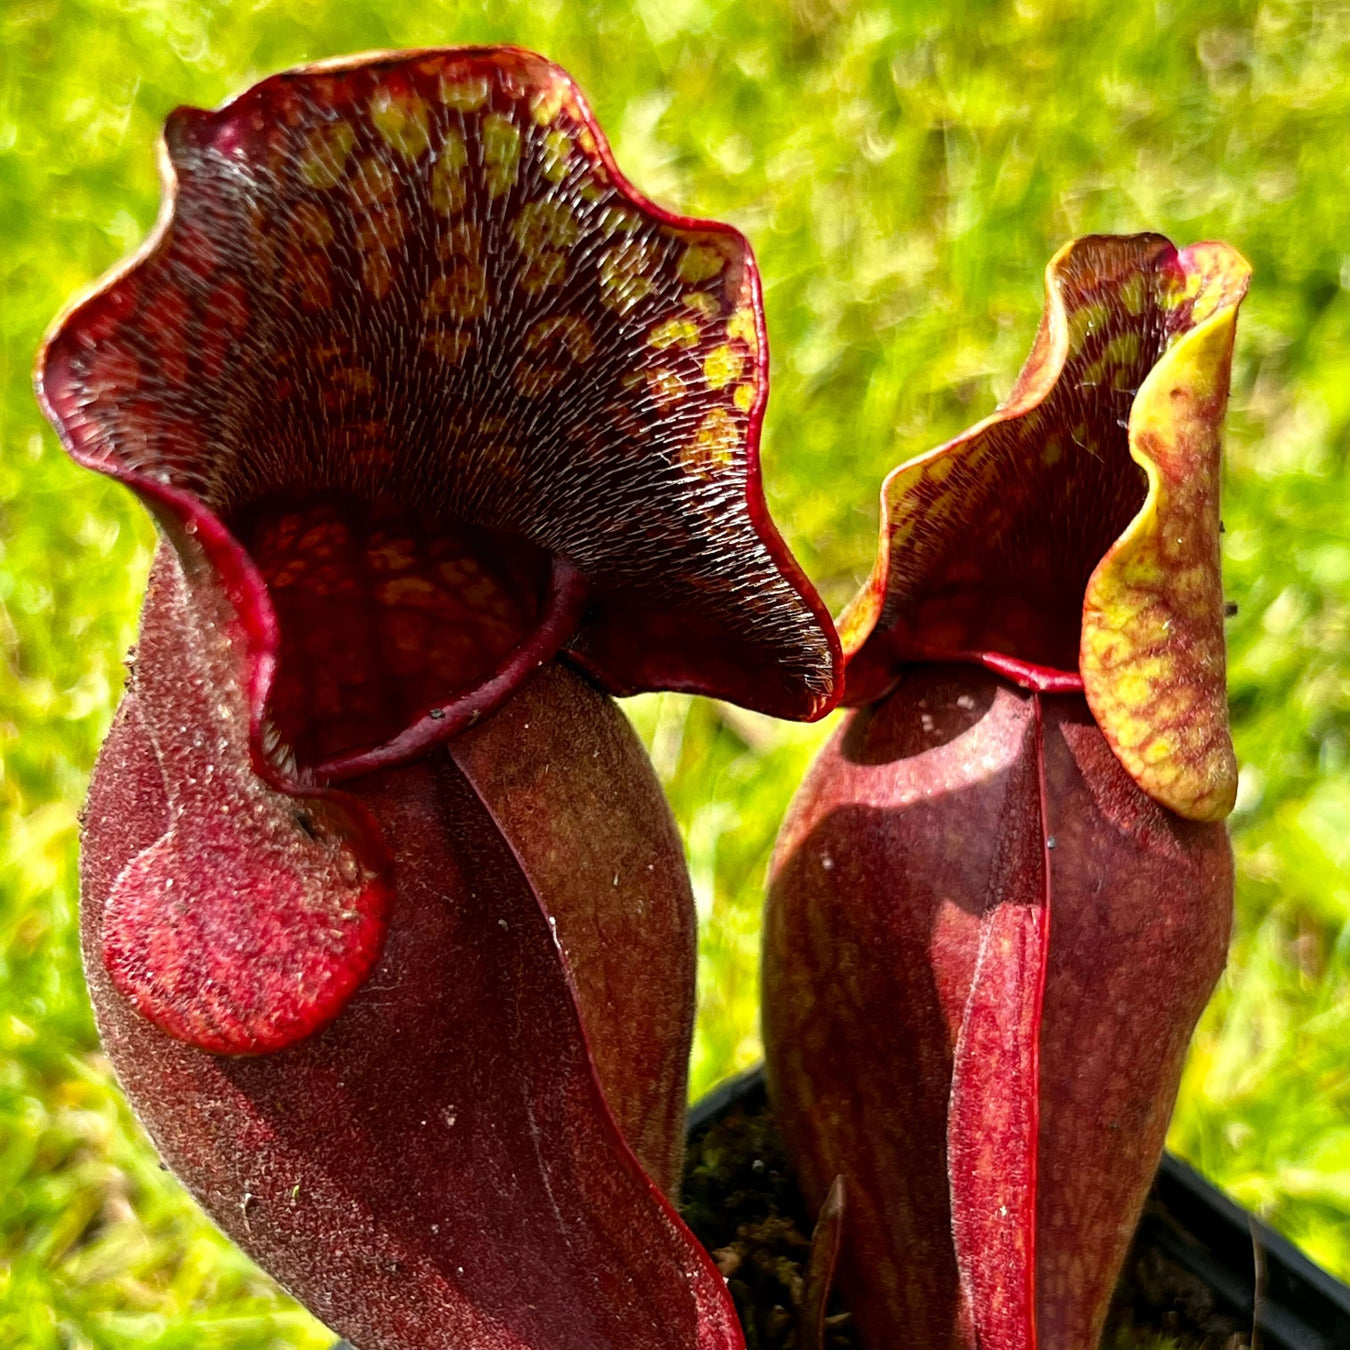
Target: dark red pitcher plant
point(450, 434)
point(1002, 897)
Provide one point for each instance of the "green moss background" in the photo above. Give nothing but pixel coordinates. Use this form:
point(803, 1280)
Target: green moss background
point(904, 173)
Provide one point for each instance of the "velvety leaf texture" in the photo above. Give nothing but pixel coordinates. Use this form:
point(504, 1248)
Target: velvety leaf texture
point(251, 920)
point(438, 1168)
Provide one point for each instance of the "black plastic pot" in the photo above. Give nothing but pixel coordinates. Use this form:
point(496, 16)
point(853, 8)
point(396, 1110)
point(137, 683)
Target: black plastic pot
point(1242, 1270)
point(1250, 1273)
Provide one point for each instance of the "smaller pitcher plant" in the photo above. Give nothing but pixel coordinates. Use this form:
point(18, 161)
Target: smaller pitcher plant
point(1002, 897)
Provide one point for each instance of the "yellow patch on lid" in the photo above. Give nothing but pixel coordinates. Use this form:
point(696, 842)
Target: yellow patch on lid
point(373, 182)
point(401, 119)
point(625, 274)
point(449, 189)
point(1123, 349)
point(376, 237)
point(1133, 296)
point(701, 303)
point(699, 263)
point(545, 225)
point(544, 231)
point(324, 159)
point(556, 156)
point(620, 220)
point(713, 446)
point(721, 366)
point(665, 388)
point(1086, 319)
point(501, 153)
point(570, 331)
point(534, 381)
point(743, 328)
point(466, 94)
point(377, 272)
point(383, 229)
point(315, 283)
point(462, 294)
point(675, 332)
point(558, 334)
point(1152, 649)
point(354, 379)
point(313, 226)
point(546, 104)
point(464, 239)
point(548, 269)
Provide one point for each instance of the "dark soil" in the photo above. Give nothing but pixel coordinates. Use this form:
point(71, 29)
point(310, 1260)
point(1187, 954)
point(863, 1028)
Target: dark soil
point(741, 1201)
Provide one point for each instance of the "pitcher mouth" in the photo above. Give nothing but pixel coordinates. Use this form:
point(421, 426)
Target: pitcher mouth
point(396, 629)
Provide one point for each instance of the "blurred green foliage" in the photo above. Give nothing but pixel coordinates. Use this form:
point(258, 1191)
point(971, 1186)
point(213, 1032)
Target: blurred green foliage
point(904, 172)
